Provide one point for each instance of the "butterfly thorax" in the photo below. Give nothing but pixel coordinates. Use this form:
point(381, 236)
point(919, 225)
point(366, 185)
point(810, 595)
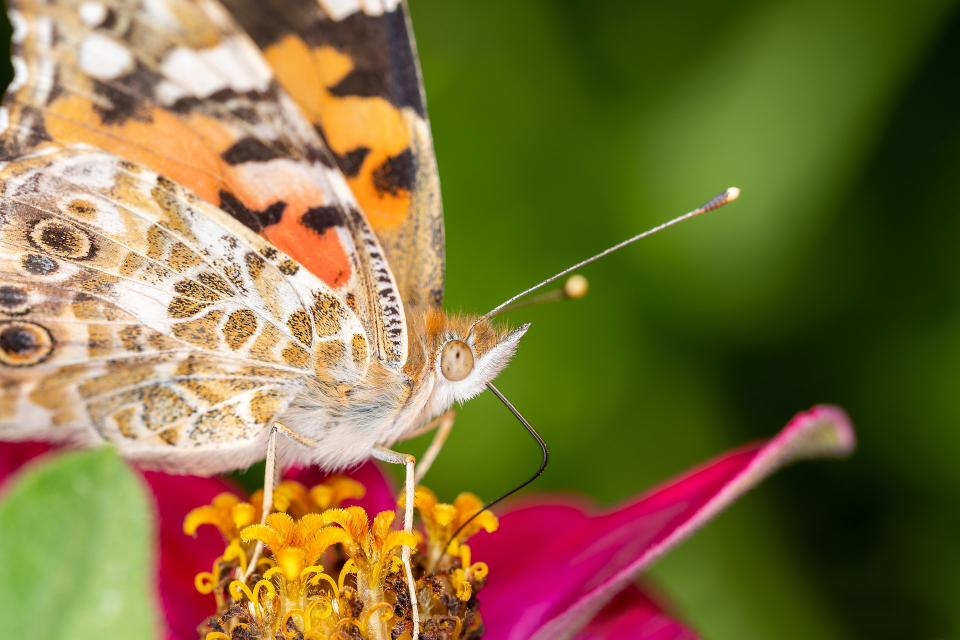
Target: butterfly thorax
point(386, 404)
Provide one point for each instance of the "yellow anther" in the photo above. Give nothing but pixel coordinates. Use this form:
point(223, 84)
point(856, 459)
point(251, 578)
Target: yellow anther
point(290, 560)
point(348, 568)
point(264, 585)
point(479, 570)
point(216, 635)
point(286, 618)
point(238, 588)
point(236, 552)
point(315, 580)
point(334, 491)
point(383, 606)
point(243, 514)
point(273, 571)
point(204, 582)
point(444, 514)
point(323, 615)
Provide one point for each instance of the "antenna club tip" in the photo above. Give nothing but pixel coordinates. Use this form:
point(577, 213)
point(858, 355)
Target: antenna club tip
point(732, 194)
point(576, 286)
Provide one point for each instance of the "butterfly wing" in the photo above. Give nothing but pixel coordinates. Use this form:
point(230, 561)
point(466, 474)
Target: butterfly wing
point(132, 311)
point(353, 69)
point(177, 86)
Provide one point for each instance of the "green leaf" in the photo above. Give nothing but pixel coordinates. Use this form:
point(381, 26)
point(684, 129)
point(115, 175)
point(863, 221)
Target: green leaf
point(75, 535)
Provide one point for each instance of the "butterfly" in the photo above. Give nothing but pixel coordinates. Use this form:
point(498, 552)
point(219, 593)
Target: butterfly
point(221, 219)
point(220, 216)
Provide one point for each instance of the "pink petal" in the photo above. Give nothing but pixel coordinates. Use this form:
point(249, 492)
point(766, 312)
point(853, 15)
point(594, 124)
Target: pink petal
point(569, 565)
point(181, 556)
point(632, 615)
point(14, 455)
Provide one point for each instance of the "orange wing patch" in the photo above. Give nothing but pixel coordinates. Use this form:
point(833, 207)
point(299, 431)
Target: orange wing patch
point(357, 79)
point(366, 132)
point(190, 151)
point(192, 98)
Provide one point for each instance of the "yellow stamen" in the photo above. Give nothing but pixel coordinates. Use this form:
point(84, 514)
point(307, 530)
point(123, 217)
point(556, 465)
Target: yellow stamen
point(286, 618)
point(334, 491)
point(479, 570)
point(348, 568)
point(383, 618)
point(204, 582)
point(314, 549)
point(315, 580)
point(236, 552)
point(238, 588)
point(243, 514)
point(271, 573)
point(325, 614)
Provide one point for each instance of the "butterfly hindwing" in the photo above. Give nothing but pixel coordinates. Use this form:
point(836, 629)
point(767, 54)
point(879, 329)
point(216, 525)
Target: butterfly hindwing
point(135, 312)
point(179, 87)
point(352, 67)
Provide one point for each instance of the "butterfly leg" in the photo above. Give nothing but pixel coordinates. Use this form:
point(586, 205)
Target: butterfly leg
point(393, 457)
point(445, 423)
point(271, 478)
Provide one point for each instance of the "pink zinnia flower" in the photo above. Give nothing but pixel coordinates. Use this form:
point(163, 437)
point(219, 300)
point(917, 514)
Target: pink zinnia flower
point(557, 567)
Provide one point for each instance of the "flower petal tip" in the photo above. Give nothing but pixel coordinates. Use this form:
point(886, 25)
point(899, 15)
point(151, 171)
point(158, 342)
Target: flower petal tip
point(825, 431)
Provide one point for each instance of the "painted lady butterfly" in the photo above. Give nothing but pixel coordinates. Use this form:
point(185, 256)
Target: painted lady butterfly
point(216, 216)
point(198, 206)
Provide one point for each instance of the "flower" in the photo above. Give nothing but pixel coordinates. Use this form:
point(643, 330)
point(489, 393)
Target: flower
point(334, 571)
point(554, 568)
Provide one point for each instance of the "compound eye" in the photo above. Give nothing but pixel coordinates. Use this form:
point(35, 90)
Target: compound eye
point(456, 360)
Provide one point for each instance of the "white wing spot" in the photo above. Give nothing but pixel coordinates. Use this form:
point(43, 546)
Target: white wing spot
point(340, 9)
point(92, 14)
point(20, 74)
point(20, 26)
point(104, 58)
point(203, 73)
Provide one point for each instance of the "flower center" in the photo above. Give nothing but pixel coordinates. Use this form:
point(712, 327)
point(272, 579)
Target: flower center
point(331, 572)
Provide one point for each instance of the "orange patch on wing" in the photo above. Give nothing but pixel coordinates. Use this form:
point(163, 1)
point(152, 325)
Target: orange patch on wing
point(295, 68)
point(260, 185)
point(158, 144)
point(163, 142)
point(347, 122)
point(321, 254)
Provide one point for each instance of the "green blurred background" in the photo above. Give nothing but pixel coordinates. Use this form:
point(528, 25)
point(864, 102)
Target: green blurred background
point(564, 127)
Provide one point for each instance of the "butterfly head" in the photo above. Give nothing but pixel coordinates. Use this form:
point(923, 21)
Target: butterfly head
point(458, 355)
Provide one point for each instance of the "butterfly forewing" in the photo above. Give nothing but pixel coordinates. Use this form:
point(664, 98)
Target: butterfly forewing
point(179, 87)
point(134, 312)
point(352, 67)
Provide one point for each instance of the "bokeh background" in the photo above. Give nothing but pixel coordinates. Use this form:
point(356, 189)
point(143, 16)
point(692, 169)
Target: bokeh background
point(564, 127)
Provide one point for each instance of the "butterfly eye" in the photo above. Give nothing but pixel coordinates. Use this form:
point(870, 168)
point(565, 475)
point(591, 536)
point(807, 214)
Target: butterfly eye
point(456, 360)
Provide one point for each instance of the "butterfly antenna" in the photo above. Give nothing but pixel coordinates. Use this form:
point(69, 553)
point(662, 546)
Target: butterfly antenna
point(729, 195)
point(574, 288)
point(543, 463)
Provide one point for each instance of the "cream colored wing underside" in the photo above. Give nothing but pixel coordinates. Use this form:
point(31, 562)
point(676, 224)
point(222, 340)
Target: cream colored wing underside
point(178, 86)
point(133, 312)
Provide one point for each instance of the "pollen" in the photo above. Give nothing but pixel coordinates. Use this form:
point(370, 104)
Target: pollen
point(330, 571)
